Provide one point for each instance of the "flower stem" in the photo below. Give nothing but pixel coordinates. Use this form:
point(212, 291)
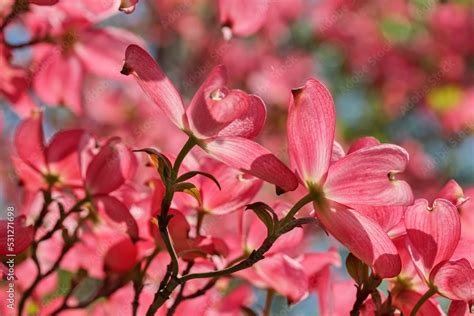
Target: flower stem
point(171, 277)
point(33, 41)
point(200, 219)
point(253, 258)
point(305, 200)
point(173, 267)
point(422, 301)
point(363, 292)
point(138, 283)
point(182, 154)
point(180, 297)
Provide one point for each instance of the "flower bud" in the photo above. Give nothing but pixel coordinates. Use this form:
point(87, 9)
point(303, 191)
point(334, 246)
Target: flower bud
point(358, 270)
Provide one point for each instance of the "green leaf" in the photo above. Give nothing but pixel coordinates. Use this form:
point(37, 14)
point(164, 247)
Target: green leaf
point(189, 188)
point(266, 214)
point(358, 270)
point(191, 174)
point(88, 288)
point(63, 285)
point(160, 162)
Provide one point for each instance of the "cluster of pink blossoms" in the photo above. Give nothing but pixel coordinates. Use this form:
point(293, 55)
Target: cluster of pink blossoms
point(192, 220)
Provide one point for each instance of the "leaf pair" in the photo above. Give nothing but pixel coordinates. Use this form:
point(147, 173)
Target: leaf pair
point(268, 217)
point(165, 169)
point(266, 214)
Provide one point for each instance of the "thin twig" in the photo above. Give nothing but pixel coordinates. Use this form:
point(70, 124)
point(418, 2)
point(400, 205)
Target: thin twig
point(180, 296)
point(31, 42)
point(138, 283)
point(162, 296)
point(254, 257)
point(211, 282)
point(41, 276)
point(163, 219)
point(363, 292)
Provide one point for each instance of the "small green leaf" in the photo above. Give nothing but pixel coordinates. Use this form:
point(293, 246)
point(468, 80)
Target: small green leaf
point(191, 174)
point(358, 270)
point(190, 189)
point(266, 214)
point(160, 162)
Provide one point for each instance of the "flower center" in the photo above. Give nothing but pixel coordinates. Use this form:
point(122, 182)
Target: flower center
point(392, 176)
point(51, 178)
point(218, 94)
point(67, 40)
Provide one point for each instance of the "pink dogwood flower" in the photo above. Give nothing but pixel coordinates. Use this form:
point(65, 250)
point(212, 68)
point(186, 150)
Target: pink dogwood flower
point(61, 164)
point(363, 177)
point(75, 48)
point(222, 120)
point(55, 164)
point(433, 233)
